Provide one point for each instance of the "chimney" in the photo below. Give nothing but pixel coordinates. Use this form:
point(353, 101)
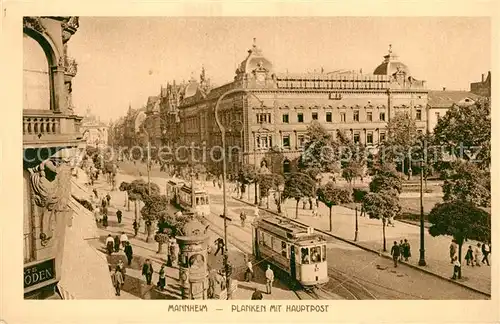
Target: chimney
point(444, 88)
point(482, 77)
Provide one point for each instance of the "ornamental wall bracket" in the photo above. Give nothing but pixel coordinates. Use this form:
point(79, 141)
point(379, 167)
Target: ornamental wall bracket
point(50, 187)
point(69, 28)
point(34, 23)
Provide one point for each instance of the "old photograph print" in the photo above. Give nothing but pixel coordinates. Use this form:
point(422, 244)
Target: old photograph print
point(256, 158)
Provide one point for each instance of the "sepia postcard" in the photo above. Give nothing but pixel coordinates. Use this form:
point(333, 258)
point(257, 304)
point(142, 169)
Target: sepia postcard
point(249, 162)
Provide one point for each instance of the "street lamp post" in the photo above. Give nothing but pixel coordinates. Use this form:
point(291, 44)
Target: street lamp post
point(421, 261)
point(224, 171)
point(356, 226)
point(281, 187)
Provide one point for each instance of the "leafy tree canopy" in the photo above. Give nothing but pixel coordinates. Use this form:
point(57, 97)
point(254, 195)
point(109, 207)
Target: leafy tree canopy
point(298, 186)
point(154, 206)
point(381, 204)
point(138, 190)
point(248, 174)
point(401, 135)
point(467, 182)
point(331, 195)
point(269, 181)
point(460, 219)
point(320, 150)
point(469, 126)
point(387, 179)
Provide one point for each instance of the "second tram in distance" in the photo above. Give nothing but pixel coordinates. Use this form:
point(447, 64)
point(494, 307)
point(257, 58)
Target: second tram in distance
point(293, 250)
point(181, 194)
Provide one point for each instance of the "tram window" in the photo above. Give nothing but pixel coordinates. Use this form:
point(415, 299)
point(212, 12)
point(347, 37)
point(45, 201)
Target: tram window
point(197, 201)
point(323, 253)
point(315, 254)
point(304, 252)
point(283, 249)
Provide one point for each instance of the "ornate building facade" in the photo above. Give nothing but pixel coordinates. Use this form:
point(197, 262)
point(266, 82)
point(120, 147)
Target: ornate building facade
point(51, 140)
point(271, 111)
point(94, 132)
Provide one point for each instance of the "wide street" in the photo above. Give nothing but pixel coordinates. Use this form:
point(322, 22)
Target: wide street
point(354, 272)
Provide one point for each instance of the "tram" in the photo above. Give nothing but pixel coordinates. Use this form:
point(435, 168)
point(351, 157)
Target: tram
point(182, 195)
point(296, 252)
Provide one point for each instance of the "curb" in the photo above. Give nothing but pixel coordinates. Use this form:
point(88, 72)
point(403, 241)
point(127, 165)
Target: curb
point(375, 251)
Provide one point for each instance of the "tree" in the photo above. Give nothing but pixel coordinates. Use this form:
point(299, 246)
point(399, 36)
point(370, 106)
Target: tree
point(137, 191)
point(353, 157)
point(467, 131)
point(125, 186)
point(461, 219)
point(319, 150)
point(268, 181)
point(247, 175)
point(382, 205)
point(331, 195)
point(153, 207)
point(386, 179)
point(298, 186)
point(401, 136)
point(352, 170)
point(468, 183)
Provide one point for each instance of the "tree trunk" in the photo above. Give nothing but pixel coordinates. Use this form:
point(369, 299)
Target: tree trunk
point(256, 200)
point(248, 192)
point(460, 259)
point(148, 229)
point(297, 209)
point(160, 248)
point(267, 201)
point(128, 204)
point(135, 209)
point(383, 235)
point(331, 226)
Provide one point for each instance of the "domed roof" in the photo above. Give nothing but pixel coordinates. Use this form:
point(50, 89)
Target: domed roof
point(391, 65)
point(191, 88)
point(255, 60)
point(194, 228)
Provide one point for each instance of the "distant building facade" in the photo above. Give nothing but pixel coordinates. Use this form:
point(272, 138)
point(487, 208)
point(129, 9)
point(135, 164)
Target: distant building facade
point(441, 101)
point(271, 111)
point(482, 88)
point(94, 132)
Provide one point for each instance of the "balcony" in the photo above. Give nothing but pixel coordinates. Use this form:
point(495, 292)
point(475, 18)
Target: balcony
point(44, 128)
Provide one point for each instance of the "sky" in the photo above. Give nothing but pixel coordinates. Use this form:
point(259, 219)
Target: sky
point(123, 60)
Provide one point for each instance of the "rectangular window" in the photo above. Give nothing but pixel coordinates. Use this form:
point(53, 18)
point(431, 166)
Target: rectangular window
point(356, 138)
point(316, 254)
point(315, 116)
point(264, 118)
point(382, 116)
point(369, 116)
point(342, 117)
point(419, 114)
point(285, 118)
point(286, 141)
point(304, 253)
point(382, 137)
point(329, 117)
point(356, 115)
point(323, 253)
point(369, 138)
point(300, 117)
point(301, 141)
point(420, 132)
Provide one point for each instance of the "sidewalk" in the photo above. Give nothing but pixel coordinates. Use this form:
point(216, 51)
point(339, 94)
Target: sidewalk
point(370, 237)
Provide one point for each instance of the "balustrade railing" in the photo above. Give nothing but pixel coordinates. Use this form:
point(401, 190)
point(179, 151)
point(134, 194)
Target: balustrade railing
point(41, 125)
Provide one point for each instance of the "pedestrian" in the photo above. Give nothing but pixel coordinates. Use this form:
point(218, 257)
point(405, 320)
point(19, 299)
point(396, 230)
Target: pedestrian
point(129, 253)
point(401, 250)
point(485, 249)
point(171, 253)
point(110, 244)
point(135, 225)
point(395, 252)
point(162, 278)
point(257, 295)
point(117, 243)
point(269, 279)
point(304, 203)
point(121, 267)
point(243, 217)
point(220, 245)
point(117, 281)
point(391, 221)
point(220, 184)
point(147, 271)
point(406, 250)
point(119, 216)
point(249, 272)
point(477, 254)
point(97, 214)
point(95, 193)
point(123, 239)
point(456, 268)
point(104, 217)
point(453, 250)
point(469, 256)
point(214, 182)
point(104, 202)
point(108, 199)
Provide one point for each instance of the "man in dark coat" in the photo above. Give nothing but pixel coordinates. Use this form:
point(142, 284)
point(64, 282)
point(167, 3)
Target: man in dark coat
point(147, 271)
point(220, 245)
point(257, 295)
point(128, 252)
point(117, 243)
point(119, 216)
point(395, 252)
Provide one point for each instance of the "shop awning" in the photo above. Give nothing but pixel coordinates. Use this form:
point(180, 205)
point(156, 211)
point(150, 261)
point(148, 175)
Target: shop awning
point(84, 272)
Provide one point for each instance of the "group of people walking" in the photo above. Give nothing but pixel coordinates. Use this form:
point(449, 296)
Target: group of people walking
point(401, 252)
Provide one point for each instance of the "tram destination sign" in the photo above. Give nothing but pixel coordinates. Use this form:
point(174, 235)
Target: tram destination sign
point(38, 273)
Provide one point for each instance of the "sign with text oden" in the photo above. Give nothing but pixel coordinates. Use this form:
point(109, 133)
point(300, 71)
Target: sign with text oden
point(38, 273)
